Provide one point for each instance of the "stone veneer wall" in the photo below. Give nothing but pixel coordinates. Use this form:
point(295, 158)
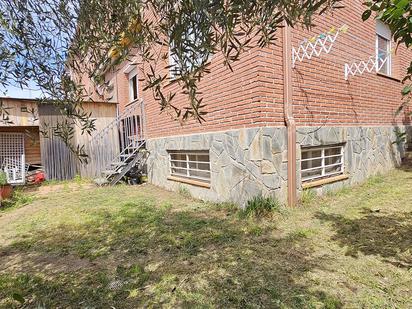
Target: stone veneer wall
point(247, 162)
point(368, 151)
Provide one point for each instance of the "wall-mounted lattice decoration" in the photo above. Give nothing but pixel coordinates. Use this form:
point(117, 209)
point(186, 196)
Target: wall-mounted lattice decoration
point(317, 45)
point(373, 64)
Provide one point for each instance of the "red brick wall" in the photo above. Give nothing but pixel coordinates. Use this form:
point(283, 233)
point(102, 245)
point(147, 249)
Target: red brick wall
point(252, 95)
point(321, 95)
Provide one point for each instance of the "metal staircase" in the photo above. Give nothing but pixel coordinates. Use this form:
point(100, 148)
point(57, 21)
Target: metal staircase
point(131, 156)
point(119, 147)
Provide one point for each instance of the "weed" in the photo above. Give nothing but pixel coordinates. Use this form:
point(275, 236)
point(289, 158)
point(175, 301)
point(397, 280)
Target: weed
point(3, 178)
point(260, 206)
point(301, 233)
point(183, 191)
point(230, 207)
point(308, 195)
point(78, 179)
point(374, 180)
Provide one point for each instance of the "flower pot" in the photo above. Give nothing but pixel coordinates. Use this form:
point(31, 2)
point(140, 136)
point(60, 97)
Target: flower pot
point(5, 192)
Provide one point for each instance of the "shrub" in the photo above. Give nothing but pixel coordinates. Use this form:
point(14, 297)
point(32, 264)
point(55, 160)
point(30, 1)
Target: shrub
point(3, 178)
point(260, 205)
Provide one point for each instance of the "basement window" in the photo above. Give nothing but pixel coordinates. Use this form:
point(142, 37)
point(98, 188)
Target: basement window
point(190, 165)
point(321, 162)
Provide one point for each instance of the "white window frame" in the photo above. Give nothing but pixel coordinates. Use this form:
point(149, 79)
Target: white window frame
point(172, 64)
point(188, 169)
point(132, 74)
point(323, 167)
point(383, 31)
point(172, 57)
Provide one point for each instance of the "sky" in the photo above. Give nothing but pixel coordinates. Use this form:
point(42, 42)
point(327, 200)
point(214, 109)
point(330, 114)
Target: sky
point(17, 92)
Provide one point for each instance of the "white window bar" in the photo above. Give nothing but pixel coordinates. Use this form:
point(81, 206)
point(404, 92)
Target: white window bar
point(318, 162)
point(190, 164)
point(317, 45)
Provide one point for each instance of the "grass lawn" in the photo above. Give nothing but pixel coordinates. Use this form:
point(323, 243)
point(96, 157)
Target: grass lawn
point(77, 246)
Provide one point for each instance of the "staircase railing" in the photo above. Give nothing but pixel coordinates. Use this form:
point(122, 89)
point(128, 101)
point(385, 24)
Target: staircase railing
point(120, 137)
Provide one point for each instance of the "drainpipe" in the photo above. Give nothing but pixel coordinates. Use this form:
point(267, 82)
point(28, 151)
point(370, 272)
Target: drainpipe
point(288, 112)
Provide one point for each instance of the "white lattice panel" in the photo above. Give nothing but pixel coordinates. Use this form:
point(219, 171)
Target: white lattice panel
point(317, 45)
point(373, 64)
point(12, 159)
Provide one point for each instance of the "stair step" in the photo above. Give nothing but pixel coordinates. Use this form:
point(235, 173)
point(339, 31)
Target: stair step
point(117, 163)
point(126, 155)
point(408, 155)
point(111, 172)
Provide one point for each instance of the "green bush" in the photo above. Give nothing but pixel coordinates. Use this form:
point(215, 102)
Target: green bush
point(18, 199)
point(259, 206)
point(3, 178)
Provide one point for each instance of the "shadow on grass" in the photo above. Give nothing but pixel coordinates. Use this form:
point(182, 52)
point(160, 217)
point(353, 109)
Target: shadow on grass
point(388, 236)
point(146, 256)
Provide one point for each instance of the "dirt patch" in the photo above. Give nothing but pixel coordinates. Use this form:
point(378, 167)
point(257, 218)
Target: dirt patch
point(47, 189)
point(14, 261)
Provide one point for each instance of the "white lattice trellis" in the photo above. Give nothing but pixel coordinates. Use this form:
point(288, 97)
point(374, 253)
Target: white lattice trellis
point(12, 159)
point(316, 45)
point(373, 64)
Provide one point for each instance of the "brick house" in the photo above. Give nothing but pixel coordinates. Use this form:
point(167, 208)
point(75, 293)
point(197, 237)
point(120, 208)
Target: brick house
point(282, 122)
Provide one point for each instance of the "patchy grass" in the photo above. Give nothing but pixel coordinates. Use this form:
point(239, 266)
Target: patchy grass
point(79, 246)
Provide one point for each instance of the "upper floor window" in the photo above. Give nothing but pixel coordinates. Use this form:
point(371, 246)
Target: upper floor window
point(133, 85)
point(186, 60)
point(383, 48)
point(191, 50)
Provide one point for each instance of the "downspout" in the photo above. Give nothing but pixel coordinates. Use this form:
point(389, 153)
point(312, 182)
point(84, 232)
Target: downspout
point(288, 112)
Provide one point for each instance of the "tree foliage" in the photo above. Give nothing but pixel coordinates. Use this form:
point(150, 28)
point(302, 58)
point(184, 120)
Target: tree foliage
point(55, 42)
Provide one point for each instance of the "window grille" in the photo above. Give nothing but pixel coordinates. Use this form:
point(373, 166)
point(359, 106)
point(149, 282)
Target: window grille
point(321, 162)
point(190, 164)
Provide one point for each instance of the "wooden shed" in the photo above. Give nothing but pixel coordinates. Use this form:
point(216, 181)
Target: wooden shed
point(22, 145)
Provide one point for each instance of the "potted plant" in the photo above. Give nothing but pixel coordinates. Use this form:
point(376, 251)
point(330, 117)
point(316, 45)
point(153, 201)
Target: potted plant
point(5, 188)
